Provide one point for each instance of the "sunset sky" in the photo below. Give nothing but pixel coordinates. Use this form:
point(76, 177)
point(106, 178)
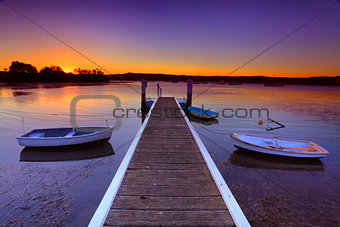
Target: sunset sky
point(191, 37)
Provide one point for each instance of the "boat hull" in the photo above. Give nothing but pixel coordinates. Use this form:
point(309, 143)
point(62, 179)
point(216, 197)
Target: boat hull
point(202, 113)
point(272, 151)
point(64, 141)
point(204, 116)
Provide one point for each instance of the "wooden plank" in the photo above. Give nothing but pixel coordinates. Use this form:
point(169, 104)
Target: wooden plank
point(168, 218)
point(169, 157)
point(175, 166)
point(179, 140)
point(167, 181)
point(168, 203)
point(168, 190)
point(169, 154)
point(176, 149)
point(182, 147)
point(146, 173)
point(157, 180)
point(170, 139)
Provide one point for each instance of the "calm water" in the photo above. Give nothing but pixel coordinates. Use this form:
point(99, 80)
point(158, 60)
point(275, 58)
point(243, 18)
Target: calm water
point(65, 188)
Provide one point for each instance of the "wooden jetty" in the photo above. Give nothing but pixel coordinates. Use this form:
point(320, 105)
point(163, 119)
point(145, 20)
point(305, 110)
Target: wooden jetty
point(168, 178)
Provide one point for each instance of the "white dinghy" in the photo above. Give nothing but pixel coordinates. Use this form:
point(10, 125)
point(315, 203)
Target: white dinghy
point(278, 146)
point(52, 137)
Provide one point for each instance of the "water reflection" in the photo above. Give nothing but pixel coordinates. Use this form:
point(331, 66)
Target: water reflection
point(46, 85)
point(250, 159)
point(67, 153)
point(201, 120)
point(20, 93)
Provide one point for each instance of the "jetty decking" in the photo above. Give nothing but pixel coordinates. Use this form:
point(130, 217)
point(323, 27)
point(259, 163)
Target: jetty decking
point(167, 181)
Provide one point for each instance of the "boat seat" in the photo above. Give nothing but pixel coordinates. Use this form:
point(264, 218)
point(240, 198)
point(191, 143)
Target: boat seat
point(70, 134)
point(37, 134)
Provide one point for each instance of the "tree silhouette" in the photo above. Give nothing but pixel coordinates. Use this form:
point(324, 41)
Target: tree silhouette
point(52, 73)
point(98, 71)
point(52, 70)
point(80, 71)
point(20, 67)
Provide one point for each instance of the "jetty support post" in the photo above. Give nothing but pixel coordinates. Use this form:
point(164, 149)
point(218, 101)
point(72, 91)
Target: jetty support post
point(189, 93)
point(158, 87)
point(143, 103)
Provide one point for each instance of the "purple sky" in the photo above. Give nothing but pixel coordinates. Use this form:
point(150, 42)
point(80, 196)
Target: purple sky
point(180, 37)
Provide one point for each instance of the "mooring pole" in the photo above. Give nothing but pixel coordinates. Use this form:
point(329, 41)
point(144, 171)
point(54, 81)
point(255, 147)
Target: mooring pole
point(158, 90)
point(143, 103)
point(189, 93)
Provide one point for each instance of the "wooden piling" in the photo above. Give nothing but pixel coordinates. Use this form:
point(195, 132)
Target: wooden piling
point(189, 93)
point(143, 101)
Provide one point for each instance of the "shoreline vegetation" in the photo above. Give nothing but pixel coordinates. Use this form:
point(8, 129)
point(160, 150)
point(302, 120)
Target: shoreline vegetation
point(20, 72)
point(231, 80)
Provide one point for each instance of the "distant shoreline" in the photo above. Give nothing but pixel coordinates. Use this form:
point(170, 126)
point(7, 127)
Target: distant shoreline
point(7, 77)
point(232, 80)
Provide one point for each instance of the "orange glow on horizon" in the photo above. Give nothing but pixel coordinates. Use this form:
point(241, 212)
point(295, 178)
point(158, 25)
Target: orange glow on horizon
point(183, 43)
point(69, 60)
point(68, 66)
point(67, 69)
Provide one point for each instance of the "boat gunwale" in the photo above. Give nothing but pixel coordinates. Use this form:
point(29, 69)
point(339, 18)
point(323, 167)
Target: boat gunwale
point(206, 112)
point(319, 149)
point(63, 137)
